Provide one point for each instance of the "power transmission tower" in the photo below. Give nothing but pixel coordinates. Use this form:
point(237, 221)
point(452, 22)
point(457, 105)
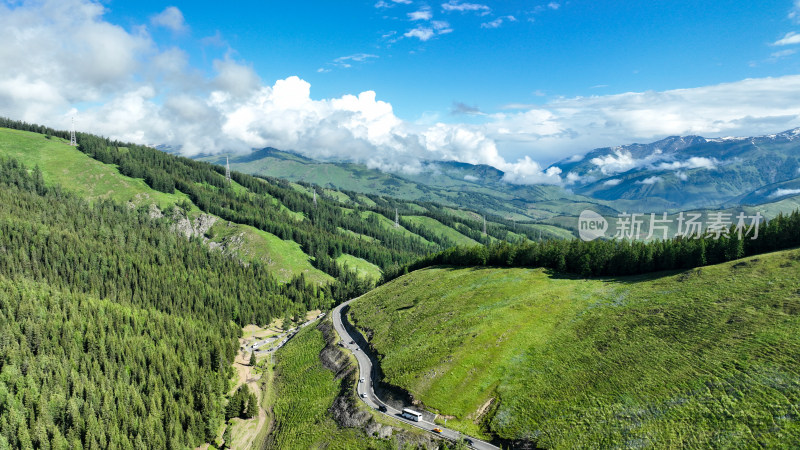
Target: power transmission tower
point(227, 170)
point(396, 219)
point(484, 224)
point(315, 198)
point(72, 141)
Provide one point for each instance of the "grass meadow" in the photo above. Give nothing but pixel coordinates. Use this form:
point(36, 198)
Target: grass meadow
point(705, 358)
point(75, 171)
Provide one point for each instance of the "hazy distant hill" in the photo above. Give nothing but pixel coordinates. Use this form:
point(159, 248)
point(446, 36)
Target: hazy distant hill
point(673, 174)
point(477, 187)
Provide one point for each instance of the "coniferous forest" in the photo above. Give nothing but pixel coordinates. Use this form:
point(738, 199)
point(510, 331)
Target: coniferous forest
point(115, 332)
point(620, 257)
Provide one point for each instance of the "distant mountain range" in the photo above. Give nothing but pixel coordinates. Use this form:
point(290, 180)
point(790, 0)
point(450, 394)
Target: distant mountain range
point(673, 174)
point(689, 172)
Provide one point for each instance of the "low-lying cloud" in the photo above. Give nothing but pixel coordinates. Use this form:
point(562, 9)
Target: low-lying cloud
point(649, 180)
point(784, 192)
point(695, 162)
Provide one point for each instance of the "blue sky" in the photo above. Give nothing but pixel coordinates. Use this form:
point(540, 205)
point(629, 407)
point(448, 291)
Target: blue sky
point(394, 83)
point(549, 49)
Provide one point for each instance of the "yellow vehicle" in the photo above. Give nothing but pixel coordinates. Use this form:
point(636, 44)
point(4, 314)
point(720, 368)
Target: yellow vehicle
point(437, 430)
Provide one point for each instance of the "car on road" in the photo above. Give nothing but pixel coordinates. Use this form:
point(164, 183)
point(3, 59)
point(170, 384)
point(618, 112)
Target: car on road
point(352, 342)
point(383, 408)
point(361, 380)
point(468, 441)
point(363, 395)
point(437, 430)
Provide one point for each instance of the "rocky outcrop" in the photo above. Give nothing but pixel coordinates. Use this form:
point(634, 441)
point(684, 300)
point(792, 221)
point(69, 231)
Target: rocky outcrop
point(346, 410)
point(347, 414)
point(155, 212)
point(191, 228)
point(332, 357)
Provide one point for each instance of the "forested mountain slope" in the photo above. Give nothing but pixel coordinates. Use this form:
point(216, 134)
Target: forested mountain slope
point(460, 185)
point(116, 331)
point(251, 214)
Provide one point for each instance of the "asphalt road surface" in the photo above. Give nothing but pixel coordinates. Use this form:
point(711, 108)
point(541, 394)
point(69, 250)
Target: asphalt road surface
point(367, 394)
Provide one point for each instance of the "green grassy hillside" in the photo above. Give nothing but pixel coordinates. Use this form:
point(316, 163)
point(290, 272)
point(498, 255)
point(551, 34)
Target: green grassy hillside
point(363, 268)
point(387, 224)
point(88, 178)
point(285, 259)
point(705, 358)
point(77, 172)
point(304, 390)
point(441, 230)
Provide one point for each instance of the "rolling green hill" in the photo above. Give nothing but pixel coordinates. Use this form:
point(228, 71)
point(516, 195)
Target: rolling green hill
point(77, 172)
point(269, 221)
point(440, 229)
point(478, 188)
point(704, 358)
point(119, 329)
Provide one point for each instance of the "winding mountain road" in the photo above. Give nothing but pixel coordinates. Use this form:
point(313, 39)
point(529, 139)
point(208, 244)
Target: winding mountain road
point(354, 341)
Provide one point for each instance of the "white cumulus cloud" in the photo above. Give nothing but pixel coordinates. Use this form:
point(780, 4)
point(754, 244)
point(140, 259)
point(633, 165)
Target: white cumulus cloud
point(455, 5)
point(794, 13)
point(528, 171)
point(496, 23)
point(421, 33)
point(422, 14)
point(171, 18)
point(790, 38)
point(565, 126)
point(619, 161)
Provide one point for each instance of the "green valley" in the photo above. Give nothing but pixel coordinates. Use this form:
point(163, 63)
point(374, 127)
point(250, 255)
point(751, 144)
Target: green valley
point(399, 225)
